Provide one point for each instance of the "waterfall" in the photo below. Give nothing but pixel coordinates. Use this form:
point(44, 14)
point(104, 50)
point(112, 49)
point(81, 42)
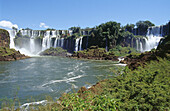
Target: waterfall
point(76, 44)
point(137, 44)
point(70, 32)
point(46, 43)
point(141, 47)
point(55, 43)
point(12, 34)
point(62, 42)
point(32, 45)
point(80, 46)
point(35, 45)
point(54, 33)
point(154, 35)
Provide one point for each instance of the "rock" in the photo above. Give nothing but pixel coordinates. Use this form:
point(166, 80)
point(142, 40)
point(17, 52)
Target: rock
point(4, 38)
point(7, 54)
point(54, 52)
point(95, 53)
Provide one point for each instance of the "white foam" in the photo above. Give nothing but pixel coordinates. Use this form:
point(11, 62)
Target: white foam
point(120, 64)
point(26, 105)
point(63, 80)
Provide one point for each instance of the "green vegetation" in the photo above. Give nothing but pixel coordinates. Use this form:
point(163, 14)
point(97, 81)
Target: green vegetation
point(142, 26)
point(111, 34)
point(129, 27)
point(4, 51)
point(94, 52)
point(54, 52)
point(123, 51)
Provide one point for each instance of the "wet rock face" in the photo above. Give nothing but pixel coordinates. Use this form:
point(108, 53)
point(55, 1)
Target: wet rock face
point(4, 38)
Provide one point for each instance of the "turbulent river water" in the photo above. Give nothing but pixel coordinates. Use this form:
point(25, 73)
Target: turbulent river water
point(39, 77)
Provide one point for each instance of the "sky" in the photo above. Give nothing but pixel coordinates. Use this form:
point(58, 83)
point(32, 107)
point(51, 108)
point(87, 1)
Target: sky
point(63, 14)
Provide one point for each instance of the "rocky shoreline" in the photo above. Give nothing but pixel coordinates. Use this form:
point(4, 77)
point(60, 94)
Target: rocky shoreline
point(96, 53)
point(7, 54)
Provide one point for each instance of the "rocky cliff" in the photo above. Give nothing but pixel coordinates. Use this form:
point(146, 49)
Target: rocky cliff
point(4, 38)
point(7, 54)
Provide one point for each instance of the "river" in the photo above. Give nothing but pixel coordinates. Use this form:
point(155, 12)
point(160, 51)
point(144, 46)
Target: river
point(38, 77)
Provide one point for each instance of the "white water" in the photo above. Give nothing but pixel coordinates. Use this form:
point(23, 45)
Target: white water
point(12, 34)
point(81, 40)
point(32, 45)
point(46, 43)
point(25, 106)
point(154, 35)
point(55, 43)
point(76, 44)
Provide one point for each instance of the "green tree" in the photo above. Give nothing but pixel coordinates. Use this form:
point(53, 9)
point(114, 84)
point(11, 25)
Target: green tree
point(129, 27)
point(142, 26)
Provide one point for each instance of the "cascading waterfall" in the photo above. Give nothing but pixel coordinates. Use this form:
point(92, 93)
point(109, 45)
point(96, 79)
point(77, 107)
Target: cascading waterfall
point(77, 44)
point(46, 43)
point(141, 46)
point(12, 34)
point(81, 39)
point(152, 39)
point(55, 43)
point(62, 42)
point(137, 45)
point(154, 35)
point(32, 45)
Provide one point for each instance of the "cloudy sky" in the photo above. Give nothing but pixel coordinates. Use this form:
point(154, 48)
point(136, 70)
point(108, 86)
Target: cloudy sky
point(63, 14)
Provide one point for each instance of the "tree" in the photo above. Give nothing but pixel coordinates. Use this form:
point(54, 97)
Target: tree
point(75, 29)
point(142, 26)
point(129, 27)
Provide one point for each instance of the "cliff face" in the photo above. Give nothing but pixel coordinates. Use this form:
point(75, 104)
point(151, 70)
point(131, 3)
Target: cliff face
point(4, 38)
point(7, 54)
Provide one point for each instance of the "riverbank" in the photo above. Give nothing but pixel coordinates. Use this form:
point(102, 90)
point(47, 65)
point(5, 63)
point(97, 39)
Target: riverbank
point(128, 90)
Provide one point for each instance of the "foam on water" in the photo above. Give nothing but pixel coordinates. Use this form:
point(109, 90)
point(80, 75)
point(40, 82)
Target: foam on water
point(26, 105)
point(63, 80)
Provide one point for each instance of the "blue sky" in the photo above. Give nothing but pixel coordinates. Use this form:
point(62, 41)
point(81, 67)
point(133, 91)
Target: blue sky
point(63, 14)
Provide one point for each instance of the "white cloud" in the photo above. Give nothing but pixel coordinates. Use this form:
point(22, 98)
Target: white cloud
point(7, 24)
point(43, 25)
